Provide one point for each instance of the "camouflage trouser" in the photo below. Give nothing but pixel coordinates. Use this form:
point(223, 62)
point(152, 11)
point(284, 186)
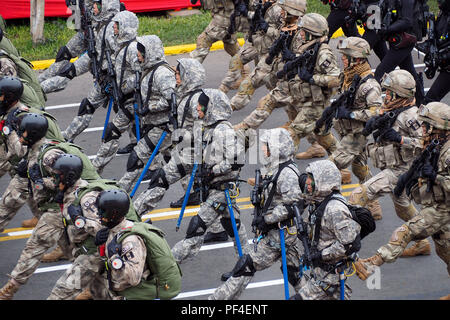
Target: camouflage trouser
point(430, 221)
point(47, 233)
point(14, 197)
point(5, 166)
point(350, 151)
point(324, 287)
point(78, 277)
point(109, 149)
point(237, 62)
point(49, 80)
point(99, 288)
point(216, 30)
point(190, 247)
point(384, 183)
point(143, 150)
point(268, 252)
point(259, 76)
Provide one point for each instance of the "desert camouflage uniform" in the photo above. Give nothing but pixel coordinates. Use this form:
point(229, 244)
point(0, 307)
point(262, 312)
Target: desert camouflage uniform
point(104, 37)
point(133, 271)
point(262, 71)
point(125, 72)
point(156, 99)
point(268, 250)
point(217, 29)
point(7, 67)
point(77, 46)
point(338, 230)
point(86, 266)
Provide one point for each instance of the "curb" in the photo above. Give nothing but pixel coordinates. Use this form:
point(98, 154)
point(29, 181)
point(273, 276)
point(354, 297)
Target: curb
point(180, 49)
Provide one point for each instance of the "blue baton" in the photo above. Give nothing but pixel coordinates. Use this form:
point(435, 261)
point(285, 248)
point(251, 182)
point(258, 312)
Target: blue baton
point(149, 162)
point(342, 282)
point(284, 265)
point(233, 222)
point(136, 122)
point(186, 196)
point(108, 114)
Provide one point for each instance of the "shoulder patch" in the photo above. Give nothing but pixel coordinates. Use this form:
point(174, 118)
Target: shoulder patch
point(413, 123)
point(326, 63)
point(127, 247)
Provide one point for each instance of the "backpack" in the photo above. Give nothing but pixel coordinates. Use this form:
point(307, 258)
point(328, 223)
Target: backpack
point(164, 281)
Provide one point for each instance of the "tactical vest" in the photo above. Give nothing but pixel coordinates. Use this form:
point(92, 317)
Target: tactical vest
point(88, 245)
point(439, 195)
point(29, 96)
point(164, 281)
point(25, 71)
point(7, 46)
point(89, 172)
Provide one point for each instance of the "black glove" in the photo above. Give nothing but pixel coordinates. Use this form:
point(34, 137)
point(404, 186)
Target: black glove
point(22, 168)
point(343, 113)
point(74, 212)
point(305, 75)
point(392, 135)
point(35, 175)
point(260, 224)
point(68, 71)
point(263, 26)
point(12, 121)
point(59, 197)
point(428, 172)
point(101, 236)
point(242, 9)
point(316, 255)
point(114, 247)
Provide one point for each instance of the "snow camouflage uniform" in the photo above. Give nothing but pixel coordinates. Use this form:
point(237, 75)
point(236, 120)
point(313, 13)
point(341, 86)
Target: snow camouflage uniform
point(434, 216)
point(18, 193)
point(192, 75)
point(157, 85)
point(262, 74)
point(338, 230)
point(125, 66)
point(75, 47)
point(268, 250)
point(217, 29)
point(104, 37)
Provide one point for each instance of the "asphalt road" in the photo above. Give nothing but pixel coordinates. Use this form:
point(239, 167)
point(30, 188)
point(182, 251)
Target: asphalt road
point(423, 277)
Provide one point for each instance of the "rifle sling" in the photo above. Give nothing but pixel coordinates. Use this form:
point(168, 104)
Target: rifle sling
point(150, 80)
point(188, 103)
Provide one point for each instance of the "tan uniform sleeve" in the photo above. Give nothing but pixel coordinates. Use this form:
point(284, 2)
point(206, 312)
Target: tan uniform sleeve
point(326, 71)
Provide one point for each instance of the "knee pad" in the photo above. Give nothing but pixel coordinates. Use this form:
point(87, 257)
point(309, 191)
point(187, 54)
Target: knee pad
point(361, 171)
point(158, 179)
point(244, 267)
point(68, 71)
point(63, 54)
point(111, 132)
point(227, 225)
point(134, 162)
point(359, 196)
point(401, 236)
point(405, 213)
point(85, 107)
point(197, 227)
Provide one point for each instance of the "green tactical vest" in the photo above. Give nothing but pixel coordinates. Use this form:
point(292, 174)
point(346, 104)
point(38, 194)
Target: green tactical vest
point(164, 281)
point(25, 71)
point(29, 96)
point(88, 245)
point(7, 46)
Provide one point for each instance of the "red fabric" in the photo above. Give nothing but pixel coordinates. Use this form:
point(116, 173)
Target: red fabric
point(14, 9)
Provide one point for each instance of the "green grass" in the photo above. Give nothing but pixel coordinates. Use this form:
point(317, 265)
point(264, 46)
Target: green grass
point(171, 30)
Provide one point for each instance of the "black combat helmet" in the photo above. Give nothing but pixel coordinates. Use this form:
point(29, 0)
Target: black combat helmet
point(12, 88)
point(113, 205)
point(35, 125)
point(69, 168)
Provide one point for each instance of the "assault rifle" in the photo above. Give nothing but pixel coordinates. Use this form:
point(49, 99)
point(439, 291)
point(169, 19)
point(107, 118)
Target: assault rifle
point(256, 197)
point(257, 20)
point(387, 18)
point(378, 125)
point(291, 68)
point(430, 48)
point(345, 99)
point(357, 13)
point(407, 180)
point(302, 231)
point(173, 116)
point(89, 33)
point(240, 9)
point(112, 88)
point(277, 46)
point(137, 104)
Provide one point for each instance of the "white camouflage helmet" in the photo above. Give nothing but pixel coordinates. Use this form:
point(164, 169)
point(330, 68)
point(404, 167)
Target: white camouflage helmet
point(437, 114)
point(400, 82)
point(294, 7)
point(355, 47)
point(315, 24)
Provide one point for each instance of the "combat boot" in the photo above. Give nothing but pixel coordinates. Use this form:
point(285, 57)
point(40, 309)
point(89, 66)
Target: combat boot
point(421, 247)
point(9, 289)
point(346, 176)
point(375, 209)
point(56, 255)
point(241, 126)
point(30, 223)
point(365, 267)
point(85, 295)
point(314, 151)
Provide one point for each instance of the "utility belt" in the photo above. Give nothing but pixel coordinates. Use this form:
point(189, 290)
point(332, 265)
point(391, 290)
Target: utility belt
point(402, 40)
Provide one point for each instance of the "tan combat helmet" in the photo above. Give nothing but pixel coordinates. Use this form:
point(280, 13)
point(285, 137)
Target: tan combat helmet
point(401, 82)
point(354, 47)
point(315, 24)
point(294, 7)
point(437, 114)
